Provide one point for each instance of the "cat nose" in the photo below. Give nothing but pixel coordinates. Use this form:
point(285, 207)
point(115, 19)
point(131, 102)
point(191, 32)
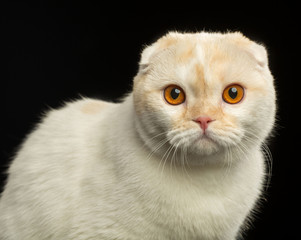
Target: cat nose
point(203, 121)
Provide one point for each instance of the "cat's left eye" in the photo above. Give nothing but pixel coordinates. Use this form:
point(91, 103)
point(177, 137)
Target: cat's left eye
point(233, 93)
point(174, 95)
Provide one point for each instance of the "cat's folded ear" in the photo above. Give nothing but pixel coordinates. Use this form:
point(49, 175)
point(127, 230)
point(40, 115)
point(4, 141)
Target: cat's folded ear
point(145, 57)
point(150, 51)
point(260, 54)
point(255, 50)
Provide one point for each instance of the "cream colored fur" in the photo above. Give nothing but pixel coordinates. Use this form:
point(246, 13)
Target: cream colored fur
point(141, 169)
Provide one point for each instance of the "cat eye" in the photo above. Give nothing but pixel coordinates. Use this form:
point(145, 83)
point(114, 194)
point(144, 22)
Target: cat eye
point(233, 94)
point(174, 95)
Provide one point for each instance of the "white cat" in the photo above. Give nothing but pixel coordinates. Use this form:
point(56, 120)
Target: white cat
point(179, 158)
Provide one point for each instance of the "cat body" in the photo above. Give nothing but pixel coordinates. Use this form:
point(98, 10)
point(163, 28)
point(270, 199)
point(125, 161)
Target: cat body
point(144, 168)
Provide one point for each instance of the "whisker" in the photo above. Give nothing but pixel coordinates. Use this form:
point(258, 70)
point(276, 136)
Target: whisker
point(266, 154)
point(154, 137)
point(165, 158)
point(173, 157)
point(157, 147)
point(269, 159)
point(185, 162)
point(228, 162)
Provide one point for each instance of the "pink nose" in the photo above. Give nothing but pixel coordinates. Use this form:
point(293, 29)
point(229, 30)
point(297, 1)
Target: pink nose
point(203, 121)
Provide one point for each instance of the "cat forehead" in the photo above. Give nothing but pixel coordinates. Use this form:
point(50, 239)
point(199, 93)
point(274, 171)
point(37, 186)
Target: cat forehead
point(186, 45)
point(205, 56)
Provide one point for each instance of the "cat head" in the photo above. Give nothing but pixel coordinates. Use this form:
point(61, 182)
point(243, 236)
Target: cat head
point(203, 93)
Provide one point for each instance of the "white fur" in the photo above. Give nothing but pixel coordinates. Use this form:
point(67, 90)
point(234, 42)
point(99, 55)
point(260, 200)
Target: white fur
point(98, 170)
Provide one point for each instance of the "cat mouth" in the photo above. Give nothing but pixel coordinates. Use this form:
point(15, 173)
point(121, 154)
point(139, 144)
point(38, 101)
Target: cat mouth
point(206, 136)
point(198, 141)
point(205, 142)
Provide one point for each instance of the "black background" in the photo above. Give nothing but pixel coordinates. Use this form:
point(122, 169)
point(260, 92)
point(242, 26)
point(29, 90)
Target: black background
point(55, 51)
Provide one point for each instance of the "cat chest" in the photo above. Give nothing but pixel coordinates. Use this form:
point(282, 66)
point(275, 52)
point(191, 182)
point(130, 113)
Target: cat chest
point(189, 214)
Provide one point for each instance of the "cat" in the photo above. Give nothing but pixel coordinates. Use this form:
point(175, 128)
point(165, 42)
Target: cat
point(178, 158)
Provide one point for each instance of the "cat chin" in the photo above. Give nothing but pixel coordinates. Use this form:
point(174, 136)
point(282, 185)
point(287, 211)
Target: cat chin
point(205, 146)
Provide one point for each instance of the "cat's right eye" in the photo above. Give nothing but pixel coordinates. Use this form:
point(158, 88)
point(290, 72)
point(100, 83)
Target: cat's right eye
point(174, 95)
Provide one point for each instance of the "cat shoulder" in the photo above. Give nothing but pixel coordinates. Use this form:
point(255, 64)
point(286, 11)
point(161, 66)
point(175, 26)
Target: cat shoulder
point(84, 107)
point(71, 117)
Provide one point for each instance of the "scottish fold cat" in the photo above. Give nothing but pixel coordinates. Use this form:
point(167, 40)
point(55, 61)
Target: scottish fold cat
point(178, 158)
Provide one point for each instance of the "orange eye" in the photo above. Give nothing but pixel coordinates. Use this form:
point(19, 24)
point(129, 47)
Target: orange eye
point(174, 95)
point(233, 94)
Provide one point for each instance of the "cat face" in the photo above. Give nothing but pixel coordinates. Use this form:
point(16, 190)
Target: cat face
point(203, 93)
